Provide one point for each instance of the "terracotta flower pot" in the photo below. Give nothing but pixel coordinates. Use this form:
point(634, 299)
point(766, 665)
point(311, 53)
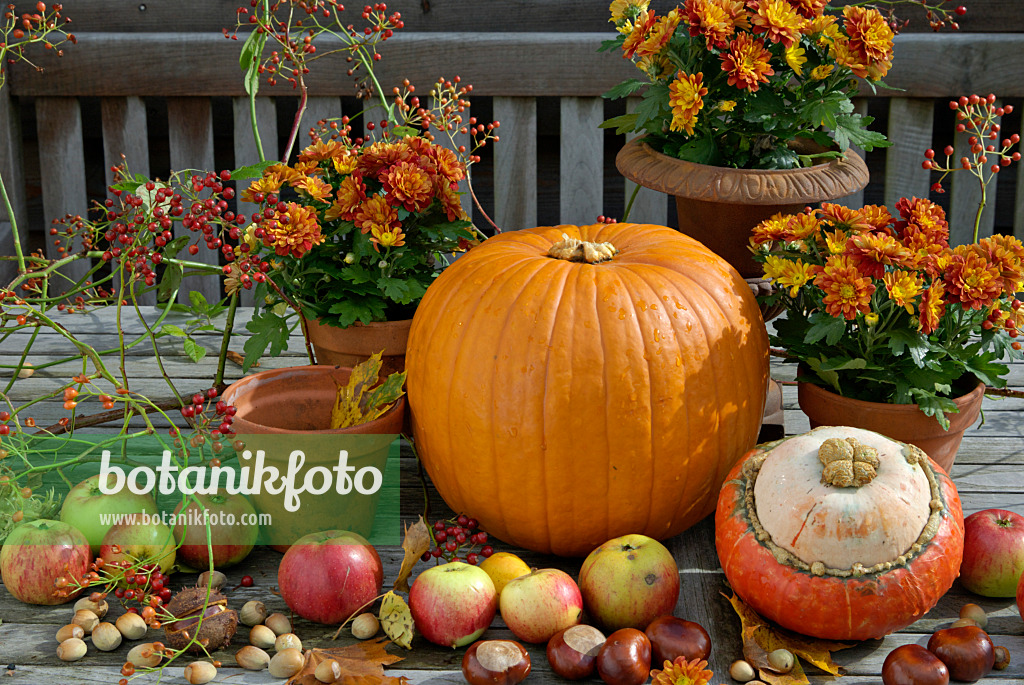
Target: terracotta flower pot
point(282, 410)
point(720, 205)
point(902, 422)
point(348, 346)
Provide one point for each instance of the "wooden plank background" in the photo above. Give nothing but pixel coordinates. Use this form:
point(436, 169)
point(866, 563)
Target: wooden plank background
point(534, 67)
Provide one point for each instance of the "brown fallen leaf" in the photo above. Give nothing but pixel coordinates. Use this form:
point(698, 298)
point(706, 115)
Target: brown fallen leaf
point(760, 638)
point(416, 542)
point(361, 664)
point(236, 358)
point(396, 620)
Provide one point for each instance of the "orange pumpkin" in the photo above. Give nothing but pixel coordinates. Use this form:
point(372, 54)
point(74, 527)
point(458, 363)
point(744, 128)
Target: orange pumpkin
point(565, 400)
point(837, 539)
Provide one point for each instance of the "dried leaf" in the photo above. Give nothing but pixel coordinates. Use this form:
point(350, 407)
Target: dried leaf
point(396, 620)
point(362, 664)
point(236, 358)
point(760, 637)
point(416, 542)
point(359, 401)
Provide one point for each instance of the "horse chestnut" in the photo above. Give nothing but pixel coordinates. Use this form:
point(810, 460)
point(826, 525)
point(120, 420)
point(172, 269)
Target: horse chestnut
point(625, 658)
point(495, 662)
point(673, 637)
point(913, 665)
point(968, 652)
point(572, 652)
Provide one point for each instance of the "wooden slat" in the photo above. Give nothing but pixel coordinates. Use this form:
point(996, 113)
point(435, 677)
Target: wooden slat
point(965, 191)
point(452, 15)
point(108, 64)
point(910, 130)
point(190, 133)
point(515, 163)
point(62, 160)
point(126, 139)
point(650, 206)
point(12, 167)
point(581, 167)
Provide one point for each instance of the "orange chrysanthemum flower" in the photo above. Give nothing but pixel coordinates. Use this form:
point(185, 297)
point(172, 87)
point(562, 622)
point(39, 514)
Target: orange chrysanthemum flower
point(877, 216)
point(294, 230)
point(920, 215)
point(660, 34)
point(971, 279)
point(314, 188)
point(868, 53)
point(872, 252)
point(771, 230)
point(835, 241)
point(392, 238)
point(265, 185)
point(746, 62)
point(657, 67)
point(686, 96)
point(903, 288)
point(377, 214)
point(809, 9)
point(1007, 253)
point(381, 155)
point(350, 194)
point(448, 165)
point(682, 672)
point(711, 20)
point(845, 218)
point(451, 202)
point(847, 291)
point(641, 29)
point(409, 186)
point(801, 227)
point(932, 308)
point(321, 150)
point(779, 21)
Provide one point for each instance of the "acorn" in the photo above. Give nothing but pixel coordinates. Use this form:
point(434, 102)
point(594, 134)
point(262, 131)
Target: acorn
point(253, 613)
point(219, 622)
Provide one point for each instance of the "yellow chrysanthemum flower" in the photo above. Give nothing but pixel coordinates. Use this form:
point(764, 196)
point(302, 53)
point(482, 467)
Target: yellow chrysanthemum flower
point(686, 96)
point(392, 238)
point(314, 188)
point(795, 58)
point(625, 11)
point(821, 72)
point(682, 672)
point(903, 288)
point(727, 105)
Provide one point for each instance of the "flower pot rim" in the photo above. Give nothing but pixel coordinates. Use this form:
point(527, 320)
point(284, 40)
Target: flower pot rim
point(271, 375)
point(837, 178)
point(959, 400)
point(396, 323)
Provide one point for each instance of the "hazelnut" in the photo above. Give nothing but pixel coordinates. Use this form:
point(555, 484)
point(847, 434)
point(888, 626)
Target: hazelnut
point(781, 661)
point(572, 653)
point(86, 619)
point(975, 613)
point(741, 671)
point(143, 656)
point(287, 641)
point(262, 637)
point(286, 663)
point(495, 662)
point(365, 626)
point(200, 673)
point(252, 658)
point(106, 637)
point(279, 623)
point(131, 625)
point(99, 608)
point(1002, 658)
point(253, 613)
point(963, 621)
point(26, 370)
point(70, 630)
point(327, 671)
point(219, 580)
point(71, 649)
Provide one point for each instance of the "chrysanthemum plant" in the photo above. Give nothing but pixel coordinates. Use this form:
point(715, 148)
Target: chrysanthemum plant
point(741, 83)
point(881, 308)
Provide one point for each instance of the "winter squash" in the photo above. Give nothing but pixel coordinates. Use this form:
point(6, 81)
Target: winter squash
point(839, 533)
point(572, 384)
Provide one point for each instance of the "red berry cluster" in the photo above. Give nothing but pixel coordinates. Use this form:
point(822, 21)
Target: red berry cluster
point(1011, 321)
point(208, 418)
point(457, 539)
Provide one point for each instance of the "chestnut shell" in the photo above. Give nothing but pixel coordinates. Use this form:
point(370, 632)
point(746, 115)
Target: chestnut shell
point(567, 661)
point(967, 651)
point(625, 658)
point(476, 671)
point(913, 665)
point(219, 622)
point(673, 637)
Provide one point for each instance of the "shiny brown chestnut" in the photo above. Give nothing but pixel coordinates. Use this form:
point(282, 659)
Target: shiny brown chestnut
point(495, 662)
point(968, 652)
point(625, 658)
point(673, 637)
point(572, 652)
point(913, 665)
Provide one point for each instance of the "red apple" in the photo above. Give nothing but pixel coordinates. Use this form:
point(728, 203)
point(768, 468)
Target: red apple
point(453, 604)
point(540, 604)
point(993, 552)
point(628, 582)
point(233, 530)
point(146, 540)
point(1020, 597)
point(85, 504)
point(39, 552)
point(328, 576)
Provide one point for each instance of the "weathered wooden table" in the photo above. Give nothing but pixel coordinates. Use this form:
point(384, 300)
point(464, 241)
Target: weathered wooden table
point(989, 472)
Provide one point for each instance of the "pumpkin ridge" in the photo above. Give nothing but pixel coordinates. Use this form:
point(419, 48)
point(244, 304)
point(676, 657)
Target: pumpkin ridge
point(609, 276)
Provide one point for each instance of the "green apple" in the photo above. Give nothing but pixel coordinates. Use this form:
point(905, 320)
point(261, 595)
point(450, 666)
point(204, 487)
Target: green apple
point(147, 540)
point(85, 507)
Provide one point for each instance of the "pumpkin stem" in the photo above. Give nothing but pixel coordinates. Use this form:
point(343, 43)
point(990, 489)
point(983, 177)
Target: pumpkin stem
point(576, 250)
point(847, 463)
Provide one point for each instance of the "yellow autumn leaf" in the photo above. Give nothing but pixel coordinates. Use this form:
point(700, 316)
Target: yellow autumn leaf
point(396, 620)
point(416, 542)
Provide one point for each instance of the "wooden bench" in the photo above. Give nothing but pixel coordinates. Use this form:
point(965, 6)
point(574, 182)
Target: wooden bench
point(159, 83)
